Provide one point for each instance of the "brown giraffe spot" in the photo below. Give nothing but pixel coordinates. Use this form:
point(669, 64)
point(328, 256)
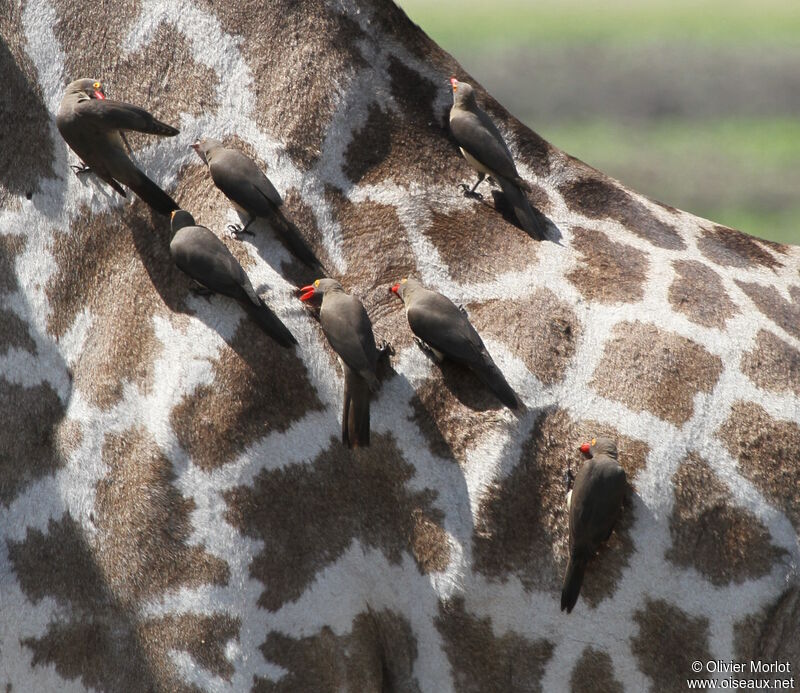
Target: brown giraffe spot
point(257, 388)
point(323, 506)
point(25, 117)
point(407, 146)
point(724, 543)
point(766, 449)
point(532, 149)
point(698, 292)
point(144, 523)
point(378, 255)
point(161, 76)
point(117, 265)
point(607, 272)
point(598, 198)
point(35, 439)
point(731, 248)
point(482, 661)
point(769, 301)
point(203, 637)
point(377, 655)
point(522, 523)
point(477, 243)
point(377, 250)
point(14, 333)
point(771, 635)
point(302, 61)
point(98, 636)
point(667, 643)
point(773, 364)
point(454, 411)
point(641, 363)
point(10, 247)
point(594, 672)
point(540, 330)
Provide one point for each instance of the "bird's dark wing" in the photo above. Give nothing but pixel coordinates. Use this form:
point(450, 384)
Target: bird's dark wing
point(106, 114)
point(438, 322)
point(241, 180)
point(205, 258)
point(482, 140)
point(348, 328)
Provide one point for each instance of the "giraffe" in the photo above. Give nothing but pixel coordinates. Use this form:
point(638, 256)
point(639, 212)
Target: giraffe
point(177, 514)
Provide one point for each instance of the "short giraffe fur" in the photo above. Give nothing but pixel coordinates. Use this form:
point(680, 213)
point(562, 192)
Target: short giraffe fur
point(177, 513)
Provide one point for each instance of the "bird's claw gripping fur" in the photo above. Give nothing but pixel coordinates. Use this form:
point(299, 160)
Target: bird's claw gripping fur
point(236, 230)
point(463, 310)
point(569, 479)
point(385, 349)
point(470, 192)
point(80, 168)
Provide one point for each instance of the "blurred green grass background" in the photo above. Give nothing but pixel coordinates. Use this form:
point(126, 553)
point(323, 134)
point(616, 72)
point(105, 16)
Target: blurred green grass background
point(694, 103)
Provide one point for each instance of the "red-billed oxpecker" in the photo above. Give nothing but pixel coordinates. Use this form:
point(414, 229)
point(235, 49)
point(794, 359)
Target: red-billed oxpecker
point(204, 257)
point(94, 126)
point(594, 505)
point(444, 330)
point(251, 193)
point(347, 326)
point(486, 151)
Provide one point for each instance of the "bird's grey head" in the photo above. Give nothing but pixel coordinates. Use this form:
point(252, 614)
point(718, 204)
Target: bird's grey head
point(93, 88)
point(600, 446)
point(181, 218)
point(319, 288)
point(463, 94)
point(405, 287)
point(205, 147)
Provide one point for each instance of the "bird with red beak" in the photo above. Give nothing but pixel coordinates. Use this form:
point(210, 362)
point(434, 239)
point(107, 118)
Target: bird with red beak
point(94, 128)
point(444, 330)
point(347, 327)
point(486, 151)
point(594, 505)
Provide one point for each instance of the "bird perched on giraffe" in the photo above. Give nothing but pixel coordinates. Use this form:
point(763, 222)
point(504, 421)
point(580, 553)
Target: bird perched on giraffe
point(94, 126)
point(487, 152)
point(444, 330)
point(594, 505)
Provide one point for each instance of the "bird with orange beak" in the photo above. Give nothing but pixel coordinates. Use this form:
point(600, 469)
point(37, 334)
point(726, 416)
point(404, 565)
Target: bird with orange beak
point(94, 128)
point(594, 505)
point(347, 326)
point(486, 151)
point(444, 330)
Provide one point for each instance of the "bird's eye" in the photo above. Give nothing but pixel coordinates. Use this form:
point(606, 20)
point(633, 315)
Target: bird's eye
point(316, 283)
point(403, 281)
point(594, 441)
point(96, 85)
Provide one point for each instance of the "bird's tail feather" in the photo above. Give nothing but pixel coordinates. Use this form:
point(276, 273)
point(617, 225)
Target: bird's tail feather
point(522, 208)
point(148, 191)
point(269, 322)
point(493, 377)
point(573, 579)
point(355, 413)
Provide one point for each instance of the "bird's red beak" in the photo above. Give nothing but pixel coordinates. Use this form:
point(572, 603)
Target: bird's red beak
point(307, 292)
point(585, 448)
point(394, 288)
point(454, 83)
point(98, 94)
